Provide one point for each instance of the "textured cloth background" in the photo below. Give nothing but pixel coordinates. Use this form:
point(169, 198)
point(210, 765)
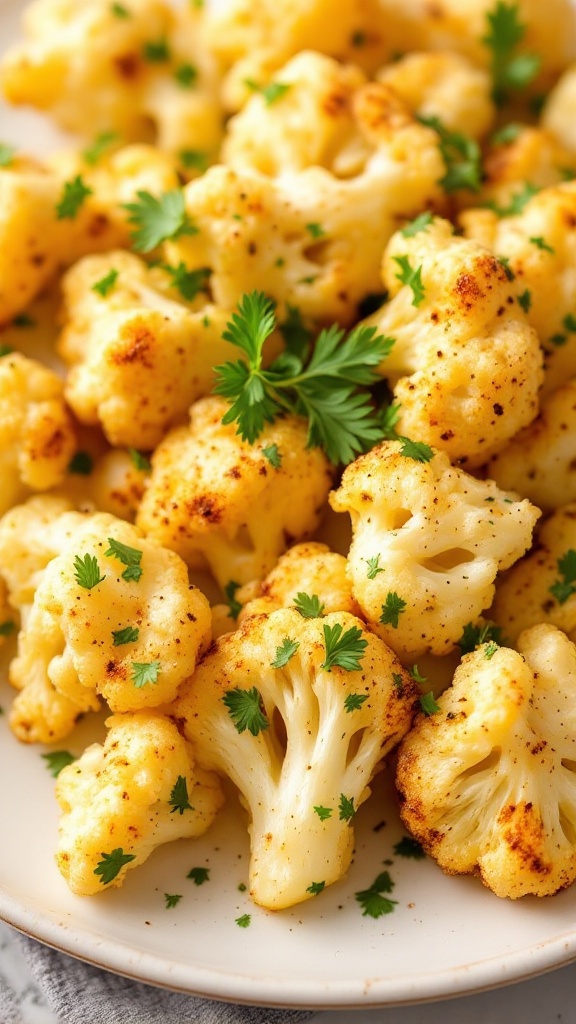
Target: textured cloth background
point(80, 994)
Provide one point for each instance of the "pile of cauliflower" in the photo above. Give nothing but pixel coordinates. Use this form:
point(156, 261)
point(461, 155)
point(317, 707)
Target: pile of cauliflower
point(242, 606)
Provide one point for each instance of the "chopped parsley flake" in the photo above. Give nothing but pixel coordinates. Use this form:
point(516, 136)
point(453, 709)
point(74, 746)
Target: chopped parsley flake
point(308, 605)
point(416, 450)
point(81, 464)
point(569, 323)
point(243, 921)
point(105, 285)
point(346, 809)
point(270, 93)
point(510, 70)
point(130, 557)
point(188, 282)
point(144, 673)
point(158, 218)
point(416, 675)
point(87, 571)
point(316, 887)
point(7, 627)
point(74, 194)
point(474, 635)
point(412, 277)
point(111, 864)
point(392, 609)
point(564, 587)
point(172, 899)
point(540, 243)
point(273, 455)
point(285, 652)
point(428, 704)
point(179, 800)
point(186, 75)
point(507, 134)
point(373, 901)
point(517, 202)
point(409, 847)
point(101, 143)
point(343, 650)
point(119, 10)
point(315, 229)
point(234, 606)
point(56, 760)
point(128, 635)
point(139, 461)
point(373, 567)
point(354, 701)
point(156, 52)
point(194, 159)
point(490, 650)
point(398, 683)
point(525, 300)
point(245, 710)
point(199, 875)
point(420, 223)
point(461, 155)
point(323, 812)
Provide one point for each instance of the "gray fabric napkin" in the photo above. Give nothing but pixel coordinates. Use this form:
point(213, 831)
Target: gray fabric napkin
point(81, 994)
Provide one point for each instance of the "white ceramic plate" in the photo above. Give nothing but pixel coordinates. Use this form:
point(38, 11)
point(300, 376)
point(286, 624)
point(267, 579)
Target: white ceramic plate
point(446, 936)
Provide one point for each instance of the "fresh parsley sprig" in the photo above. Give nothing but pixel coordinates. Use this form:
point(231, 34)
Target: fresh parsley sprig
point(510, 70)
point(461, 155)
point(343, 649)
point(330, 392)
point(157, 218)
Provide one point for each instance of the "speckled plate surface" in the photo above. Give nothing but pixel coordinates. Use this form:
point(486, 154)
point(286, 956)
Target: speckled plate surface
point(446, 935)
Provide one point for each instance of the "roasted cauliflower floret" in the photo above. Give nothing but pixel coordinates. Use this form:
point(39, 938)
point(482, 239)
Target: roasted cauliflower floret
point(542, 587)
point(221, 504)
point(558, 110)
point(444, 85)
point(308, 238)
point(310, 569)
point(113, 616)
point(487, 783)
point(30, 246)
point(539, 245)
point(465, 366)
point(301, 733)
point(37, 438)
point(143, 76)
point(540, 462)
point(31, 535)
point(122, 799)
point(428, 540)
point(138, 355)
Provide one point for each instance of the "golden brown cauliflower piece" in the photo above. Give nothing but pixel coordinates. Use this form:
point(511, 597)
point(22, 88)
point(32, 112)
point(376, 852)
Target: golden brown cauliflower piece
point(37, 437)
point(221, 504)
point(138, 355)
point(428, 540)
point(307, 237)
point(301, 735)
point(539, 245)
point(443, 85)
point(465, 366)
point(540, 462)
point(143, 76)
point(487, 782)
point(122, 799)
point(540, 588)
point(113, 616)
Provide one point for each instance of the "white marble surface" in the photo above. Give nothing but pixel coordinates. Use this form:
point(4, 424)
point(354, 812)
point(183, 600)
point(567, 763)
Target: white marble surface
point(545, 1000)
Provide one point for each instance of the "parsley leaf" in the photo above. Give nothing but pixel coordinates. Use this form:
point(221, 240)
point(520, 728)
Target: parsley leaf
point(156, 52)
point(509, 69)
point(309, 606)
point(6, 154)
point(131, 557)
point(569, 323)
point(139, 461)
point(245, 710)
point(346, 809)
point(101, 143)
point(392, 609)
point(420, 223)
point(563, 588)
point(158, 218)
point(507, 134)
point(286, 651)
point(373, 567)
point(373, 902)
point(186, 75)
point(540, 243)
point(409, 847)
point(188, 282)
point(111, 864)
point(273, 455)
point(517, 202)
point(474, 636)
point(315, 229)
point(128, 635)
point(270, 93)
point(416, 676)
point(354, 701)
point(316, 887)
point(179, 800)
point(525, 300)
point(172, 899)
point(56, 760)
point(428, 704)
point(343, 650)
point(194, 159)
point(416, 450)
point(461, 155)
point(490, 650)
point(119, 11)
point(199, 875)
point(234, 606)
point(323, 812)
point(74, 194)
point(412, 277)
point(7, 627)
point(81, 463)
point(87, 571)
point(327, 392)
point(105, 285)
point(145, 672)
point(243, 921)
